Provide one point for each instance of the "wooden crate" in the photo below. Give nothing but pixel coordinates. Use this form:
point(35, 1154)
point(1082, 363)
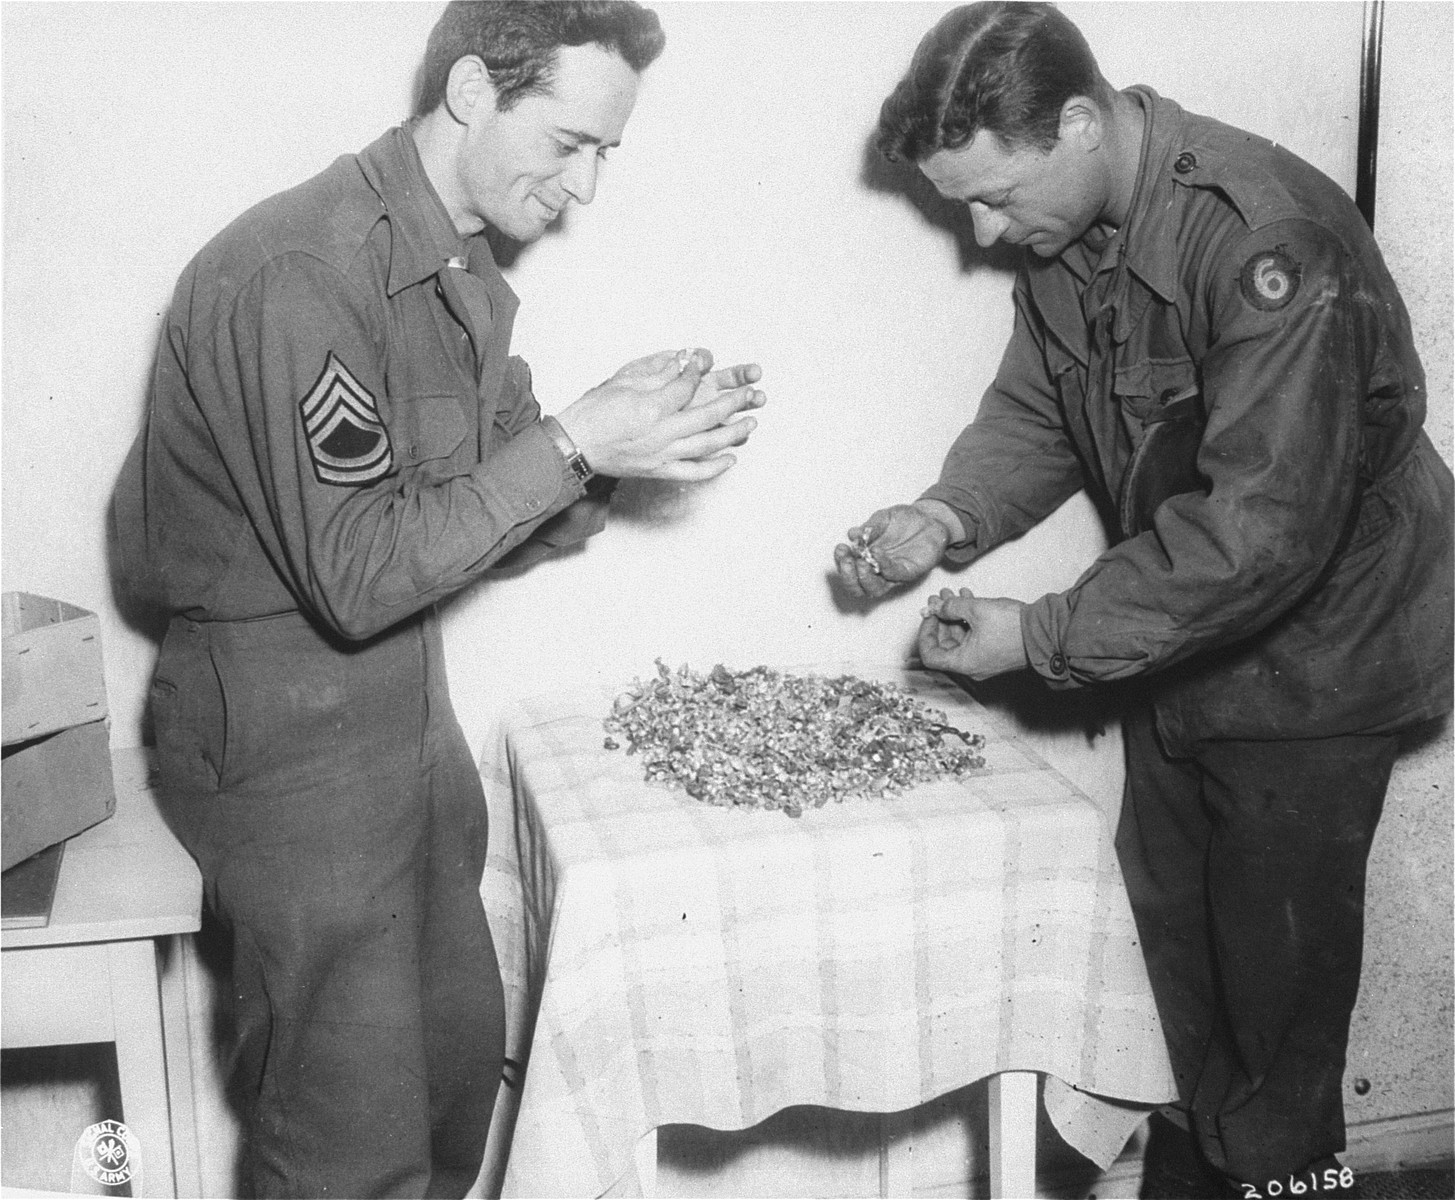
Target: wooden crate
point(52, 676)
point(54, 787)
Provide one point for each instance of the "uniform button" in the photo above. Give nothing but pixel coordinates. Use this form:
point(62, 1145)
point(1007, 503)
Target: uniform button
point(1058, 664)
point(1186, 163)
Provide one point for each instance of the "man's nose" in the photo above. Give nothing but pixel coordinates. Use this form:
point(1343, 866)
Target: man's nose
point(579, 179)
point(989, 225)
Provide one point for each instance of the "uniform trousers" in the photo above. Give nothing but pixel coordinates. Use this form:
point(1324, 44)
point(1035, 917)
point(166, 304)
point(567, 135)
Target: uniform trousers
point(1245, 866)
point(331, 803)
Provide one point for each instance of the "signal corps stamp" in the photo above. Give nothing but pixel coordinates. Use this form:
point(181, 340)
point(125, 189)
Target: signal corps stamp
point(109, 1153)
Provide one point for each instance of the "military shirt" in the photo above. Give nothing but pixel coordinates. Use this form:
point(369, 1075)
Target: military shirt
point(1297, 581)
point(335, 424)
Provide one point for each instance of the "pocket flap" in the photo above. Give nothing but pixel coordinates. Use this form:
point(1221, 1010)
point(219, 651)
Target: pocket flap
point(429, 427)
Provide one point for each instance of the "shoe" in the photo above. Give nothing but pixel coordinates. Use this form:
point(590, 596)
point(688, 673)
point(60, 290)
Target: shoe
point(1173, 1168)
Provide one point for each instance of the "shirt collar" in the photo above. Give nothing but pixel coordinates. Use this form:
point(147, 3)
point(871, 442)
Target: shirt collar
point(424, 239)
point(1146, 237)
point(1150, 232)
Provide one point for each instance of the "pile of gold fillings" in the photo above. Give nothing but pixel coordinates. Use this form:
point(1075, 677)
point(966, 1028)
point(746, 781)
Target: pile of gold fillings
point(762, 739)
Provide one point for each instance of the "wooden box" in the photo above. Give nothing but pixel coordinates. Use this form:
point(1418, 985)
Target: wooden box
point(52, 677)
point(53, 788)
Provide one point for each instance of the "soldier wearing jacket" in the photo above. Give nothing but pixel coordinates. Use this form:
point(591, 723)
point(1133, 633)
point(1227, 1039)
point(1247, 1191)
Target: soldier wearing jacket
point(336, 438)
point(1207, 340)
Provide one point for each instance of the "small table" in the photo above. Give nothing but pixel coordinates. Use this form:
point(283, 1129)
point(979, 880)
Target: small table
point(91, 974)
point(670, 962)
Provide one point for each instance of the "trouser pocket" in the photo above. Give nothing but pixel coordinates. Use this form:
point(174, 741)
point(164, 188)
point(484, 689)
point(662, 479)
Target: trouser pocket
point(189, 710)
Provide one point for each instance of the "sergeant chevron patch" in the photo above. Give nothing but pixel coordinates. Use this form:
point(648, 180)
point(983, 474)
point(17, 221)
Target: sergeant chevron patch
point(346, 435)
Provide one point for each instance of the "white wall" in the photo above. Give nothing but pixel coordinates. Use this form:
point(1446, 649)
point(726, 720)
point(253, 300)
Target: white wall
point(1400, 1044)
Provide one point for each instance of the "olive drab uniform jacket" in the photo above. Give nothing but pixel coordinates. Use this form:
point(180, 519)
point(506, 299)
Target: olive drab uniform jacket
point(335, 424)
point(1232, 378)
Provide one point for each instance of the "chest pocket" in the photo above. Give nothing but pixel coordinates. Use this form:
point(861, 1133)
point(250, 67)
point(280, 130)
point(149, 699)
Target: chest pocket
point(427, 430)
point(1162, 406)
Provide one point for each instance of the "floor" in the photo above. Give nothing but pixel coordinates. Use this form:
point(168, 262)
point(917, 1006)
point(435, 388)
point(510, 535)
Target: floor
point(50, 1094)
point(1429, 1183)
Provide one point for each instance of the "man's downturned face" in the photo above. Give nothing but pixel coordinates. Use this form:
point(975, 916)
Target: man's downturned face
point(1044, 201)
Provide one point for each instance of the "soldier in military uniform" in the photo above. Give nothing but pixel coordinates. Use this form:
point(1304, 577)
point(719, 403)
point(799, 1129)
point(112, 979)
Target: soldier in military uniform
point(1207, 340)
point(336, 438)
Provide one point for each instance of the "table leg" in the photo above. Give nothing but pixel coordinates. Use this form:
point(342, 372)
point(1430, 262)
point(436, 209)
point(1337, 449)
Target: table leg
point(896, 1154)
point(141, 1059)
point(1013, 1135)
point(645, 1157)
point(181, 1105)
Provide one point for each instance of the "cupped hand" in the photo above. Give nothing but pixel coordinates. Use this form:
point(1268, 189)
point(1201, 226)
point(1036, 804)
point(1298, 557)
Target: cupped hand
point(666, 416)
point(971, 636)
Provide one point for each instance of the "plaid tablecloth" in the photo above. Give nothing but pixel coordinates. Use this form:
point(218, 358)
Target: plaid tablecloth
point(666, 961)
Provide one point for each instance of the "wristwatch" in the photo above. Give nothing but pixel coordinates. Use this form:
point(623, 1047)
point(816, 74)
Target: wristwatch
point(573, 456)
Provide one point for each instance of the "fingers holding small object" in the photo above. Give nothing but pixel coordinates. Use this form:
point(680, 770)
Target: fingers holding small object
point(862, 539)
point(694, 356)
point(957, 606)
point(871, 530)
point(860, 547)
point(948, 608)
point(661, 366)
point(855, 575)
point(678, 378)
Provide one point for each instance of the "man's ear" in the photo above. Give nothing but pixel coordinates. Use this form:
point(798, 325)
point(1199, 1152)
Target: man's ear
point(467, 87)
point(1081, 122)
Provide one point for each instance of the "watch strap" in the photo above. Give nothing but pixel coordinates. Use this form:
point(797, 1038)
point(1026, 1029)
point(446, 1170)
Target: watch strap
point(575, 460)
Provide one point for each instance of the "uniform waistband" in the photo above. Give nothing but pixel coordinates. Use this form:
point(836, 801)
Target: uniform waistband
point(296, 628)
point(294, 617)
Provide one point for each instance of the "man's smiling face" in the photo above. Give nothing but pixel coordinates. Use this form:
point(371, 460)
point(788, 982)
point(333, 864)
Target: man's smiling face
point(518, 169)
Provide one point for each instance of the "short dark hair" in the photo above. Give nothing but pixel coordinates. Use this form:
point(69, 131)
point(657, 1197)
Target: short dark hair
point(519, 39)
point(999, 66)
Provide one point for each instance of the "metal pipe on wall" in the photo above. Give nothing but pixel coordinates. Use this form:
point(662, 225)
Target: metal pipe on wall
point(1370, 53)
